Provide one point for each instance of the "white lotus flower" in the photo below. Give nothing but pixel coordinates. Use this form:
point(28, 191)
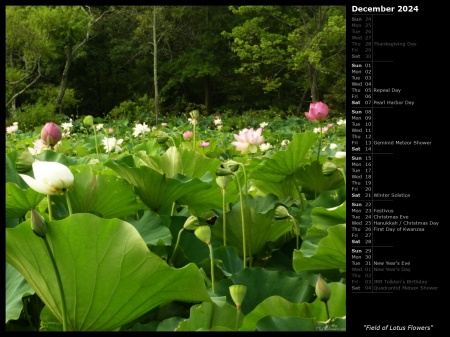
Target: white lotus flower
point(50, 178)
point(265, 146)
point(13, 128)
point(340, 154)
point(140, 129)
point(111, 144)
point(67, 126)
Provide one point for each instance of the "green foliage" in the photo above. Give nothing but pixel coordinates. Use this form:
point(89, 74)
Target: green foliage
point(138, 110)
point(32, 116)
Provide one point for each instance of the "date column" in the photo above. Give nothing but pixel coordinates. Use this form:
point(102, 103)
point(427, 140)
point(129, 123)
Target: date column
point(360, 77)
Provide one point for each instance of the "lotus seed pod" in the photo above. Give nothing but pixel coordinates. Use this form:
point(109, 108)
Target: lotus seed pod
point(237, 293)
point(24, 162)
point(203, 233)
point(222, 181)
point(88, 120)
point(281, 213)
point(328, 168)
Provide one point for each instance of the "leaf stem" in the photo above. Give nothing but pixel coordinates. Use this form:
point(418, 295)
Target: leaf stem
point(224, 217)
point(58, 277)
point(176, 246)
point(49, 202)
point(247, 207)
point(96, 145)
point(69, 205)
point(326, 307)
point(244, 251)
point(211, 256)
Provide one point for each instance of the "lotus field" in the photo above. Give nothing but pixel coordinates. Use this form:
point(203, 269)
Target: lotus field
point(198, 223)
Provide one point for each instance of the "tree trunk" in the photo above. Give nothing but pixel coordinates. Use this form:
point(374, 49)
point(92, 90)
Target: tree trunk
point(155, 65)
point(313, 73)
point(207, 84)
point(64, 79)
point(206, 79)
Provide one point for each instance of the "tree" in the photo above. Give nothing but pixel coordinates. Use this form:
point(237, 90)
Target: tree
point(277, 43)
point(25, 48)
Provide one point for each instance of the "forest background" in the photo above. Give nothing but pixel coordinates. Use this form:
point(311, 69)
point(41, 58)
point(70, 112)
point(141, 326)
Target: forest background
point(145, 63)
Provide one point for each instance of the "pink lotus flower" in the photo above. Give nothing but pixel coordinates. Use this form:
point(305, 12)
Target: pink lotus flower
point(204, 144)
point(187, 135)
point(318, 111)
point(51, 133)
point(248, 140)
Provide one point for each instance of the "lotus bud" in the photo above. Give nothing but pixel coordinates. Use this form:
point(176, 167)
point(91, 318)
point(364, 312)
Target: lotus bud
point(162, 137)
point(203, 233)
point(51, 133)
point(24, 162)
point(191, 223)
point(88, 120)
point(187, 135)
point(237, 293)
point(323, 290)
point(223, 171)
point(110, 131)
point(222, 181)
point(328, 168)
point(318, 111)
point(38, 224)
point(194, 114)
point(232, 165)
point(281, 213)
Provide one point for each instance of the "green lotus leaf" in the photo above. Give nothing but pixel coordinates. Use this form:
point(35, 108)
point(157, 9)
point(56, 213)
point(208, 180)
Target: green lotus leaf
point(181, 161)
point(312, 180)
point(156, 190)
point(260, 229)
point(11, 172)
point(208, 316)
point(19, 201)
point(104, 194)
point(329, 253)
point(108, 274)
point(16, 288)
point(323, 218)
point(262, 283)
point(285, 163)
point(279, 306)
point(152, 229)
point(274, 323)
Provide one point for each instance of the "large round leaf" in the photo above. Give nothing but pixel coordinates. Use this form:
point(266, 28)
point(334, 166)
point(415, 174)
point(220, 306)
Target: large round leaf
point(329, 253)
point(108, 274)
point(16, 288)
point(105, 194)
point(19, 201)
